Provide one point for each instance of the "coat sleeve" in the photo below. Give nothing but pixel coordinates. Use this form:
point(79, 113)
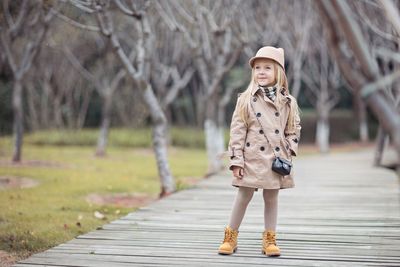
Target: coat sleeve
point(293, 137)
point(238, 132)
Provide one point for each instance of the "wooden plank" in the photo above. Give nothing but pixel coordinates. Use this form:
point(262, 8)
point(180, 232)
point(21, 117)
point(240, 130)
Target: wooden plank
point(172, 260)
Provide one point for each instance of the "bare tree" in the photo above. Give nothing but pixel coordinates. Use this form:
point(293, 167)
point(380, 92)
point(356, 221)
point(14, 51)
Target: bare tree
point(107, 78)
point(322, 79)
point(381, 29)
point(365, 77)
point(171, 63)
point(139, 72)
point(132, 46)
point(23, 28)
point(209, 30)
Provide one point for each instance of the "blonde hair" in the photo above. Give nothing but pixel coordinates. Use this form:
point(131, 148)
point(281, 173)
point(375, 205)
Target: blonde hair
point(281, 83)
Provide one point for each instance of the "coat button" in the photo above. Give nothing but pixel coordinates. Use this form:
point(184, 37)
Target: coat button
point(261, 131)
point(254, 99)
point(258, 114)
point(247, 144)
point(295, 140)
point(277, 114)
point(277, 131)
point(277, 148)
point(262, 148)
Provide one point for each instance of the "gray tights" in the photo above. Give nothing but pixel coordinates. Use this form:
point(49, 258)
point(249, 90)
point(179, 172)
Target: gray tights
point(243, 198)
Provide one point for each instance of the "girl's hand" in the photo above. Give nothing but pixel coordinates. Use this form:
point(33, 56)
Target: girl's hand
point(237, 172)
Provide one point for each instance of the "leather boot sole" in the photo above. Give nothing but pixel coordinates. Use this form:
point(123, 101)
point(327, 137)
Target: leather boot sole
point(223, 252)
point(276, 254)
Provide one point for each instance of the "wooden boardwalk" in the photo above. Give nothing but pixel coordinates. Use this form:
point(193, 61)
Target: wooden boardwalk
point(343, 212)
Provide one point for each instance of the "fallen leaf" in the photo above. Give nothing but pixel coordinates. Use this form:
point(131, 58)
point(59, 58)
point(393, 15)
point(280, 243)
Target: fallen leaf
point(99, 215)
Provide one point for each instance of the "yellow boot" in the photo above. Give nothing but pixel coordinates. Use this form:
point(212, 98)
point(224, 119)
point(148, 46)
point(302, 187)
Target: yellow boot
point(269, 244)
point(229, 245)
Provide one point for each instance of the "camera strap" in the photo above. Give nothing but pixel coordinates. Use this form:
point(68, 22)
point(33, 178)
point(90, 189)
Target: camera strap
point(264, 133)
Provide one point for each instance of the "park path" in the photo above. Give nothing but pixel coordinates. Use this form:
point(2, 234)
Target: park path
point(342, 212)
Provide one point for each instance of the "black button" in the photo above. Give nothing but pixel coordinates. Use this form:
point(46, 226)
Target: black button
point(276, 131)
point(262, 148)
point(295, 140)
point(277, 114)
point(255, 99)
point(247, 144)
point(261, 131)
point(277, 149)
point(258, 114)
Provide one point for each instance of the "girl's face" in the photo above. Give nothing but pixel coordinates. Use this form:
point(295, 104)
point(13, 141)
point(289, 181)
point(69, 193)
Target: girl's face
point(264, 72)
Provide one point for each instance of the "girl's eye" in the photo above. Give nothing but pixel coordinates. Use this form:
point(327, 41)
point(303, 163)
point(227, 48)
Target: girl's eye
point(257, 67)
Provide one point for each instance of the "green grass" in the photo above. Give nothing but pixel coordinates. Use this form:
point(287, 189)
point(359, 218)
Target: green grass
point(122, 137)
point(34, 219)
point(182, 137)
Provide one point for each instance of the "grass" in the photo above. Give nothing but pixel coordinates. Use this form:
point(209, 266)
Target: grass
point(182, 137)
point(123, 137)
point(34, 219)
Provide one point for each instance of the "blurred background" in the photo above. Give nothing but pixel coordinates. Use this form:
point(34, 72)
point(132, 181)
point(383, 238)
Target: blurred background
point(106, 105)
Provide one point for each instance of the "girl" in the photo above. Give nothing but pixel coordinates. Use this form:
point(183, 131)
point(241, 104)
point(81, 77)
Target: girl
point(265, 124)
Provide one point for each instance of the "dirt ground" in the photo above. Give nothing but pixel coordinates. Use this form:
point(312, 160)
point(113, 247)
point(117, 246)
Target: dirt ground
point(8, 259)
point(126, 200)
point(11, 182)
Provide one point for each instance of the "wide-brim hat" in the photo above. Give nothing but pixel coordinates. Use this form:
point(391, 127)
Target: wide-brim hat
point(270, 52)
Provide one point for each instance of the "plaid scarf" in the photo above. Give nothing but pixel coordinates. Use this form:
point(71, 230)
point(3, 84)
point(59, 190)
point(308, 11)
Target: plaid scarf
point(269, 91)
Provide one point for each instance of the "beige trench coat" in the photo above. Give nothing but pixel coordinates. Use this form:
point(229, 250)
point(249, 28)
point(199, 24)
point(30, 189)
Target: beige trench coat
point(249, 149)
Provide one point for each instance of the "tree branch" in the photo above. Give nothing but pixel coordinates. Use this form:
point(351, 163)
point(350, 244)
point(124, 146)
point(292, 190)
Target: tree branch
point(7, 50)
point(75, 23)
point(127, 11)
point(178, 84)
point(78, 66)
point(392, 13)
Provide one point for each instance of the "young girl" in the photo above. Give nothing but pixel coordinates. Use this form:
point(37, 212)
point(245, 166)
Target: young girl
point(265, 124)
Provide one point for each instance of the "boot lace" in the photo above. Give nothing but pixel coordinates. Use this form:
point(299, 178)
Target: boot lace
point(270, 239)
point(228, 236)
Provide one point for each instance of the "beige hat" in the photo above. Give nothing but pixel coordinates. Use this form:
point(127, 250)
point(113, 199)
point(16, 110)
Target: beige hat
point(270, 52)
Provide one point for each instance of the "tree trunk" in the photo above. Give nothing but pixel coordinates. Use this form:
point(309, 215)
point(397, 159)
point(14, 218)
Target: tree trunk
point(105, 125)
point(179, 113)
point(214, 134)
point(214, 144)
point(192, 117)
point(364, 136)
point(18, 120)
point(45, 103)
point(362, 118)
point(84, 108)
point(200, 111)
point(33, 119)
point(381, 138)
point(159, 137)
point(70, 109)
point(387, 116)
point(322, 134)
point(57, 115)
